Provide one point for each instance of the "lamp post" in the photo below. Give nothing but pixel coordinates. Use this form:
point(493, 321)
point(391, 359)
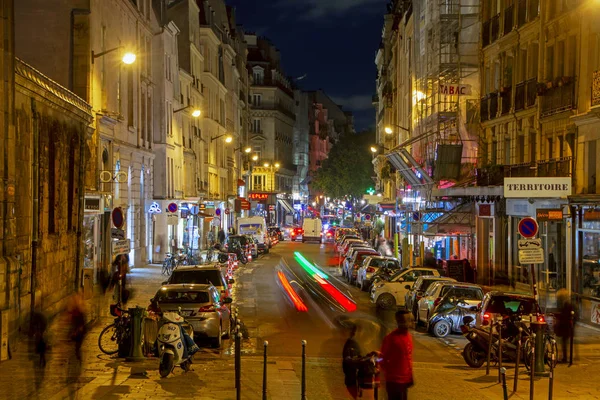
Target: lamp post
point(195, 111)
point(127, 58)
point(389, 130)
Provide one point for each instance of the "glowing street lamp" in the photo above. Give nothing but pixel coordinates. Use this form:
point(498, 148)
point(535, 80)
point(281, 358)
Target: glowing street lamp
point(196, 113)
point(255, 157)
point(388, 130)
point(374, 149)
point(228, 139)
point(277, 165)
point(266, 165)
point(128, 58)
point(248, 149)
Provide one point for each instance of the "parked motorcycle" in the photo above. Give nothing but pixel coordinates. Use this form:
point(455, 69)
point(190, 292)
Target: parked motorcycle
point(175, 344)
point(475, 352)
point(448, 316)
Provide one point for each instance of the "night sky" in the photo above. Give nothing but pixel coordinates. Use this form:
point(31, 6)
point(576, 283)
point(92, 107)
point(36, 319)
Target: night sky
point(333, 42)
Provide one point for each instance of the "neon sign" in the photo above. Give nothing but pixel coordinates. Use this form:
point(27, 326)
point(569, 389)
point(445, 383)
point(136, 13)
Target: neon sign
point(154, 208)
point(258, 196)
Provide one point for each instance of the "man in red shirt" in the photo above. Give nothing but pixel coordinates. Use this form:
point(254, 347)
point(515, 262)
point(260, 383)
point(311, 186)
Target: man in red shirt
point(396, 358)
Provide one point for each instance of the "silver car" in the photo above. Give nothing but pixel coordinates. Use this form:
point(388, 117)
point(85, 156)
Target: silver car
point(201, 306)
point(370, 267)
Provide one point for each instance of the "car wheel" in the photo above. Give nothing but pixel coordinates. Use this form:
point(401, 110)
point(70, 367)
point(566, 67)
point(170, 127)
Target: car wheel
point(218, 341)
point(473, 357)
point(386, 301)
point(441, 329)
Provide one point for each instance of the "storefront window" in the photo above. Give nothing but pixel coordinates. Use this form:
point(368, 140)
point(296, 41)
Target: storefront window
point(590, 251)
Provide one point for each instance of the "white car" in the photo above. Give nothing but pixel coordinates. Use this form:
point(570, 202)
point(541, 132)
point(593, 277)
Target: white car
point(370, 267)
point(390, 294)
point(472, 294)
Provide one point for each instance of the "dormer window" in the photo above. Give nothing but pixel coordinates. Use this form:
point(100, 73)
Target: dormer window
point(258, 74)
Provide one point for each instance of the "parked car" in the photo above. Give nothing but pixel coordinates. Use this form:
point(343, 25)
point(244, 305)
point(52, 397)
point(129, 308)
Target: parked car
point(471, 293)
point(506, 304)
point(418, 290)
point(202, 307)
point(355, 262)
point(449, 316)
point(391, 294)
point(370, 267)
point(340, 247)
point(201, 274)
point(340, 232)
point(353, 244)
point(351, 251)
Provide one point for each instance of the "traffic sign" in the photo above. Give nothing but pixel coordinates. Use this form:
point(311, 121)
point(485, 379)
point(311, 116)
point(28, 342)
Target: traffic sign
point(218, 212)
point(117, 233)
point(194, 210)
point(118, 218)
point(528, 227)
point(172, 207)
point(525, 244)
point(368, 217)
point(531, 256)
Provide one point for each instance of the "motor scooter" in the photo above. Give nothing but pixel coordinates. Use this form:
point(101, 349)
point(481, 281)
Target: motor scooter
point(475, 352)
point(175, 344)
point(448, 316)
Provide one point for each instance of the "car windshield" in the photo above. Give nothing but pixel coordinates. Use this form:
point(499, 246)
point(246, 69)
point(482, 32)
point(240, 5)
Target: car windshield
point(197, 276)
point(178, 296)
point(505, 304)
point(426, 284)
point(241, 240)
point(467, 293)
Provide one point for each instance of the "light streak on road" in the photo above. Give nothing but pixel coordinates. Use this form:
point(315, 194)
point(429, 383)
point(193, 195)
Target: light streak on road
point(298, 303)
point(308, 267)
point(340, 297)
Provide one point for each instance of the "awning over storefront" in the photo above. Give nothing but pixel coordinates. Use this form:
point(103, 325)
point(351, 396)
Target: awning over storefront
point(404, 163)
point(460, 220)
point(386, 207)
point(286, 205)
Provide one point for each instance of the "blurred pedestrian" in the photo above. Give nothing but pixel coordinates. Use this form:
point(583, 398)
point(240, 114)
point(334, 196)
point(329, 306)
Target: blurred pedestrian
point(119, 278)
point(76, 315)
point(565, 325)
point(39, 323)
point(396, 358)
point(221, 236)
point(429, 261)
point(350, 353)
point(210, 237)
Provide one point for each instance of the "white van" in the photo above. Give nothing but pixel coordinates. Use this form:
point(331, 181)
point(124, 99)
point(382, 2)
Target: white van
point(257, 227)
point(312, 229)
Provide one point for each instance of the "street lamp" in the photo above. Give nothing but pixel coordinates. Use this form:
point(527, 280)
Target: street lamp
point(128, 58)
point(255, 157)
point(277, 165)
point(376, 149)
point(228, 138)
point(195, 112)
point(266, 165)
point(389, 130)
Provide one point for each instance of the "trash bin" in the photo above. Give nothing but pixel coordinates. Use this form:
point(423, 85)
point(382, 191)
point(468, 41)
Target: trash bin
point(125, 345)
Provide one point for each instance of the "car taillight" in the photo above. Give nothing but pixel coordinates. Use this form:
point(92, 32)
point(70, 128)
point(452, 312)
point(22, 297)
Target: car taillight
point(206, 309)
point(370, 269)
point(486, 319)
point(541, 318)
point(437, 301)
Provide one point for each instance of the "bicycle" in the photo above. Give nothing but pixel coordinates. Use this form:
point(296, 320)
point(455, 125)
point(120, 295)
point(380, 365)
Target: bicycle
point(550, 350)
point(169, 265)
point(116, 333)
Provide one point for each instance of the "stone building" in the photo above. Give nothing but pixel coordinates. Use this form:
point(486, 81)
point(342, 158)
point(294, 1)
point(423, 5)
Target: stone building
point(44, 138)
point(121, 92)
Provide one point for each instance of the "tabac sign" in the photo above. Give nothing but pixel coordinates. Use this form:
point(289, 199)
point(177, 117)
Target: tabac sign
point(454, 89)
point(537, 187)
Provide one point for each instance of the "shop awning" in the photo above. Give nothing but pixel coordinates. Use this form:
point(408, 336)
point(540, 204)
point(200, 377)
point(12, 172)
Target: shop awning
point(404, 163)
point(460, 220)
point(286, 205)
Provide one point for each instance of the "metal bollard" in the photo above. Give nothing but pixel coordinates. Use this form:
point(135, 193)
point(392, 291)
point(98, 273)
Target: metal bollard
point(238, 366)
point(532, 369)
point(135, 351)
point(500, 354)
point(489, 354)
point(551, 378)
point(518, 359)
point(264, 396)
point(303, 397)
point(572, 335)
point(503, 380)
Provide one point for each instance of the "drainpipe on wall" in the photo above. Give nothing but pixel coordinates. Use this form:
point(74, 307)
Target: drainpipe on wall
point(35, 220)
point(81, 189)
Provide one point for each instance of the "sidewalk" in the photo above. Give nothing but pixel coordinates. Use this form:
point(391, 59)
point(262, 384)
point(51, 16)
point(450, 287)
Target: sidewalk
point(104, 377)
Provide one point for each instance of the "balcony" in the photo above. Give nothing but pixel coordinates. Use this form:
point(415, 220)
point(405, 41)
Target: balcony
point(531, 92)
point(520, 92)
point(484, 109)
point(509, 19)
point(490, 176)
point(558, 98)
point(596, 88)
point(495, 28)
point(555, 167)
point(485, 33)
point(520, 170)
point(506, 100)
point(493, 105)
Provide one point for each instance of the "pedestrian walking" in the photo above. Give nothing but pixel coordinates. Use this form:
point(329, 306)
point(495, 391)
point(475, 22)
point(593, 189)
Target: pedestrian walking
point(221, 236)
point(350, 353)
point(210, 237)
point(396, 358)
point(39, 323)
point(76, 315)
point(563, 329)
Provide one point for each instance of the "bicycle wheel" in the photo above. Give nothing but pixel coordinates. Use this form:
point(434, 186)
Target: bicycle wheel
point(107, 341)
point(551, 349)
point(526, 352)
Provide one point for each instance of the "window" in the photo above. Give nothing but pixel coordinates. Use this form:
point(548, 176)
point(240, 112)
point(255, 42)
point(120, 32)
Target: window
point(550, 148)
point(560, 59)
point(591, 172)
point(507, 151)
point(521, 148)
point(258, 75)
point(51, 182)
point(533, 62)
point(256, 100)
point(550, 63)
point(222, 112)
point(256, 126)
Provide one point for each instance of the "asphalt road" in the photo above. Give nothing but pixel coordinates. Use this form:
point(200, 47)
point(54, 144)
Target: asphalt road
point(269, 316)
